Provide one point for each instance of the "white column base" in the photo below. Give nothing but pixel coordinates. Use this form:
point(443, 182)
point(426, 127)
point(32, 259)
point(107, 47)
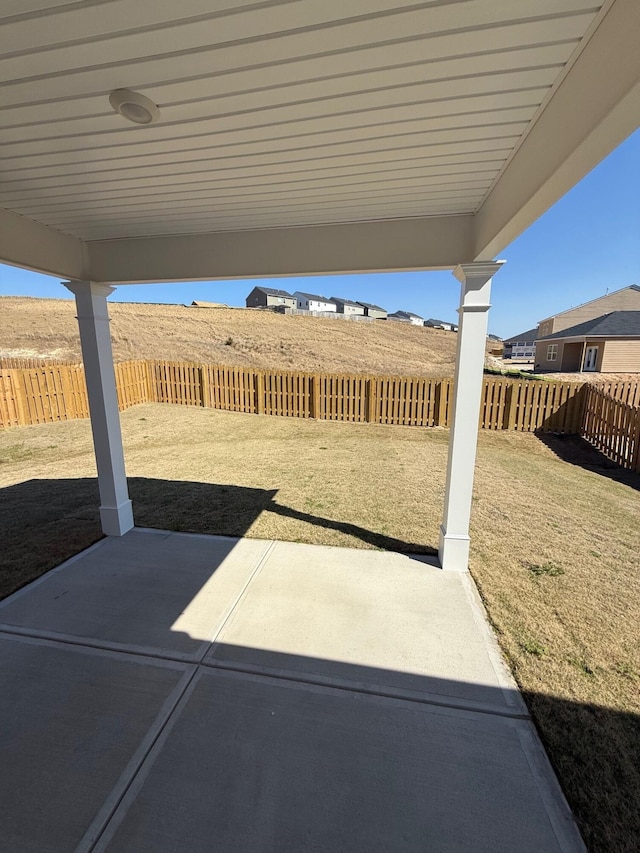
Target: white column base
point(116, 520)
point(453, 551)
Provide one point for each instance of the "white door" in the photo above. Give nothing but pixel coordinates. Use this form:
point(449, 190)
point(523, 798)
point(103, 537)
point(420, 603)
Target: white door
point(590, 358)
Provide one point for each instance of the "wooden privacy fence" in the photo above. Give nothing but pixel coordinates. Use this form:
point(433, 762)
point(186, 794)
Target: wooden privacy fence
point(613, 427)
point(55, 392)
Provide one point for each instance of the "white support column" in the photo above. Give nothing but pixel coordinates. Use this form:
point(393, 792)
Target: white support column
point(472, 336)
point(116, 513)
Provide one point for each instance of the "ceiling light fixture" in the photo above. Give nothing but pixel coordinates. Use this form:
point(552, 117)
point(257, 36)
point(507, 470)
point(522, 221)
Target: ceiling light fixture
point(134, 106)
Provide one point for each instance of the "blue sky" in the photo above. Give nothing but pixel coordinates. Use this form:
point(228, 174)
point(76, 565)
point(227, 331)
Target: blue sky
point(588, 242)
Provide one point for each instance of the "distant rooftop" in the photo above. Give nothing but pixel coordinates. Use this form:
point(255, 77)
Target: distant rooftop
point(345, 301)
point(529, 335)
point(272, 291)
point(406, 314)
point(433, 322)
point(371, 305)
point(317, 297)
point(199, 304)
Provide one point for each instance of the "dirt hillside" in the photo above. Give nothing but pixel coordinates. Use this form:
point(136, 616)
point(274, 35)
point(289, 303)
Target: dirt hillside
point(47, 328)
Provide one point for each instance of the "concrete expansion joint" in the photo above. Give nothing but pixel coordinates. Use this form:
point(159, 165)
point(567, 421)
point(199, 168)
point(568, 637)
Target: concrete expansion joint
point(397, 696)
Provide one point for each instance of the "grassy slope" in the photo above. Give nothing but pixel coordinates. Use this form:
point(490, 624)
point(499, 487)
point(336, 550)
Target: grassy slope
point(555, 548)
point(47, 327)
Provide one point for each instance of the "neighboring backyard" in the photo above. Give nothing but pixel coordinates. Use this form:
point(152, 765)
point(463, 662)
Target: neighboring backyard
point(555, 545)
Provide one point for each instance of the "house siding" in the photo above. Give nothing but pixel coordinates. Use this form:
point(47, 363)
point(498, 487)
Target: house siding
point(350, 309)
point(546, 328)
point(541, 361)
point(627, 299)
point(259, 299)
point(621, 357)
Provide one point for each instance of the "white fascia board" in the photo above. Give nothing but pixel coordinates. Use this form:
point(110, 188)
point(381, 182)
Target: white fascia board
point(390, 245)
point(594, 109)
point(30, 245)
point(573, 340)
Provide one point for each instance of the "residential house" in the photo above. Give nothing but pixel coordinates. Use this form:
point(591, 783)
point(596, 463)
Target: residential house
point(606, 344)
point(407, 317)
point(625, 299)
point(521, 346)
point(312, 302)
point(268, 297)
point(374, 311)
point(347, 307)
point(441, 324)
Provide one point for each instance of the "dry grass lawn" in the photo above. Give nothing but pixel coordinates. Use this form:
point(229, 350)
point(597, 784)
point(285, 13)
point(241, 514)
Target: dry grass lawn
point(251, 338)
point(555, 547)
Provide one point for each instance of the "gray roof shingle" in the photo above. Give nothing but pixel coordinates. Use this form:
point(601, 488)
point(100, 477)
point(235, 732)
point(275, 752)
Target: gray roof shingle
point(371, 305)
point(529, 335)
point(314, 296)
point(272, 291)
point(616, 324)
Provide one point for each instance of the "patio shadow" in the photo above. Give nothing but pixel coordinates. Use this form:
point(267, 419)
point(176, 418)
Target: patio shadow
point(575, 450)
point(44, 522)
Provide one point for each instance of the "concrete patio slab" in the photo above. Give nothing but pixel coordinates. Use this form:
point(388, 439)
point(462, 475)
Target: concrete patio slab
point(257, 764)
point(74, 726)
point(330, 699)
point(148, 591)
point(368, 619)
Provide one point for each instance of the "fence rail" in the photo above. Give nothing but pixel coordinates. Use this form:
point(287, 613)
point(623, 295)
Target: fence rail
point(21, 362)
point(56, 392)
point(613, 427)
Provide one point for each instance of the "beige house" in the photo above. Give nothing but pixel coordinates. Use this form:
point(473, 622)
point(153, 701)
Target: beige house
point(625, 299)
point(270, 297)
point(606, 344)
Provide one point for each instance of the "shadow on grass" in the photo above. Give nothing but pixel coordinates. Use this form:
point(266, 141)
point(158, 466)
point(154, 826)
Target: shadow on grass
point(575, 450)
point(44, 522)
point(595, 750)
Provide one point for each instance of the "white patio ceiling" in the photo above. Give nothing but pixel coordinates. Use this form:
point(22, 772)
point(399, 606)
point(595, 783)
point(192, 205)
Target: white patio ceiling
point(401, 134)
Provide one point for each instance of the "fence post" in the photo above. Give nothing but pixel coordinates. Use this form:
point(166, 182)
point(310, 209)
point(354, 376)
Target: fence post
point(149, 376)
point(372, 400)
point(21, 397)
point(259, 375)
point(441, 405)
point(204, 385)
point(509, 416)
point(315, 397)
point(635, 458)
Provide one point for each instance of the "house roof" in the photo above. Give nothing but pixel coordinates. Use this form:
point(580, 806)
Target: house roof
point(406, 314)
point(529, 335)
point(345, 301)
point(371, 305)
point(433, 322)
point(272, 291)
point(590, 302)
point(616, 324)
point(199, 304)
point(313, 296)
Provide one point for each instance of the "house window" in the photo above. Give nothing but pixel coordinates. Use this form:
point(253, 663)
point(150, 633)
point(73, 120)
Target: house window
point(552, 352)
point(528, 354)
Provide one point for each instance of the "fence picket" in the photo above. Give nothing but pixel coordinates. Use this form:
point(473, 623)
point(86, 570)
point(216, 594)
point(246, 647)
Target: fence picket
point(608, 414)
